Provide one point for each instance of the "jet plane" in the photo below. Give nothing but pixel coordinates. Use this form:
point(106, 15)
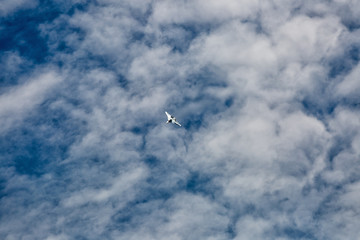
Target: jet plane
point(171, 119)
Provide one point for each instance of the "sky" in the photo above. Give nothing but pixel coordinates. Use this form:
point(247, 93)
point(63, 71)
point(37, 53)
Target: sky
point(267, 93)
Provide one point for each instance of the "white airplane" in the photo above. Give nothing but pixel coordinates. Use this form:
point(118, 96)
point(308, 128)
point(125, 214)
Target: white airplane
point(171, 119)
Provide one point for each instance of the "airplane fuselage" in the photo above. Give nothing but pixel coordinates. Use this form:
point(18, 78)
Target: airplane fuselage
point(172, 119)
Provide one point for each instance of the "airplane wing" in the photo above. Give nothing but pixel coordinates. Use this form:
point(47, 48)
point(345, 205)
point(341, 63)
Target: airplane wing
point(177, 123)
point(168, 115)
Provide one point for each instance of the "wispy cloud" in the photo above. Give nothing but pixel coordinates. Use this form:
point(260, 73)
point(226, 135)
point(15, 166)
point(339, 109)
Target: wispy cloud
point(20, 100)
point(7, 7)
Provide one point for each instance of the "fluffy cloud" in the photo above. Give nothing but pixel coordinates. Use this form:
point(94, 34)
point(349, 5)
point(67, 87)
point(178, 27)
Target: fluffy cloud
point(350, 86)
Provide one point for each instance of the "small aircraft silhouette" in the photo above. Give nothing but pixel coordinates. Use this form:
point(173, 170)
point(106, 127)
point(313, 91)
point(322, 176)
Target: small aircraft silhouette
point(171, 119)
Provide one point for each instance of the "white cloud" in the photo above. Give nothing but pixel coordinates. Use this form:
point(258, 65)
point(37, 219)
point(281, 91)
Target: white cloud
point(57, 237)
point(307, 39)
point(350, 86)
point(185, 216)
point(19, 101)
point(12, 64)
point(8, 7)
point(120, 188)
point(167, 12)
point(250, 227)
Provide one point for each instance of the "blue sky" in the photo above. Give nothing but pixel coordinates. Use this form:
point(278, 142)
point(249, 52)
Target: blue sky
point(267, 93)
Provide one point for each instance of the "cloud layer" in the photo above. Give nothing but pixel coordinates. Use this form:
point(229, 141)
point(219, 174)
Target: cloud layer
point(267, 94)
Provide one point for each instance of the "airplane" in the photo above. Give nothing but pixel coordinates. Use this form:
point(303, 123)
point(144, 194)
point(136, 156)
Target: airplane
point(171, 119)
